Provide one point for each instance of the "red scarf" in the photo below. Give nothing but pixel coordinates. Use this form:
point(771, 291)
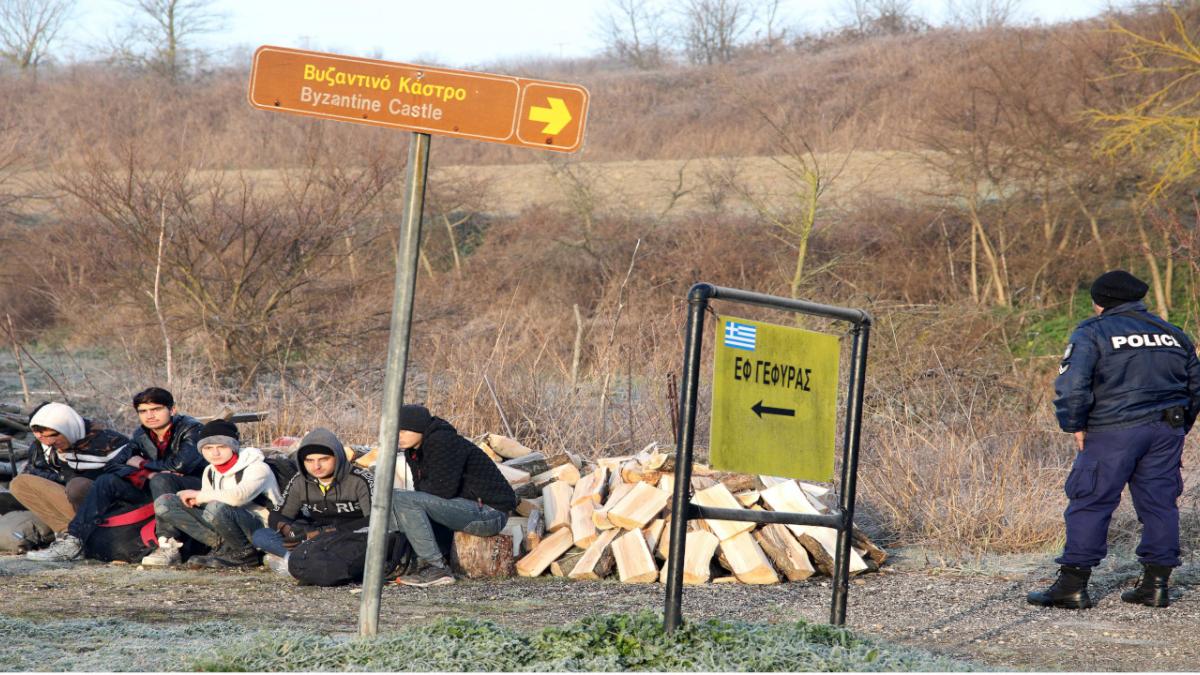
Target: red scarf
point(224, 468)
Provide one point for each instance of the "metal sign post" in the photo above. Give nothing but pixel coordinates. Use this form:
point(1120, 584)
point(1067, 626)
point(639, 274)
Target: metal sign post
point(842, 519)
point(393, 385)
point(425, 100)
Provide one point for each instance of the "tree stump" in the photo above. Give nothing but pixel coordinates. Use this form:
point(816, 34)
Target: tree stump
point(483, 557)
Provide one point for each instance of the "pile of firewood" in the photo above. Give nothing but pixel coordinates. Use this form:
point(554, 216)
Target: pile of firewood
point(590, 519)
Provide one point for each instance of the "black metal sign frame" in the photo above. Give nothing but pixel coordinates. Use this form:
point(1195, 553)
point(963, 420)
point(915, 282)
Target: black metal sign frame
point(681, 507)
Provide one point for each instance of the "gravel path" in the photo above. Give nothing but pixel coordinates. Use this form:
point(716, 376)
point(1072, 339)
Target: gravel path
point(980, 616)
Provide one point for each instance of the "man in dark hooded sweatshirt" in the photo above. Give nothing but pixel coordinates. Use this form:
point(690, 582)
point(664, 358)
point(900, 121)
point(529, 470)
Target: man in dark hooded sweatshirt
point(455, 484)
point(327, 492)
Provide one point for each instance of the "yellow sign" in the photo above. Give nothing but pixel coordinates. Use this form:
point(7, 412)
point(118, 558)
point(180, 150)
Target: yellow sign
point(775, 392)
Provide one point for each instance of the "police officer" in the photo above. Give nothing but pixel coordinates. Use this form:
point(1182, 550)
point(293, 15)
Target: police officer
point(1128, 388)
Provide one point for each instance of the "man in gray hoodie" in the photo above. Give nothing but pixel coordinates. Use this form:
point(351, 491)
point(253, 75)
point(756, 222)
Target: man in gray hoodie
point(327, 492)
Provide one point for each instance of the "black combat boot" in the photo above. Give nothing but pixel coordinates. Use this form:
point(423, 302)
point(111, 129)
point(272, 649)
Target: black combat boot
point(1152, 588)
point(1068, 592)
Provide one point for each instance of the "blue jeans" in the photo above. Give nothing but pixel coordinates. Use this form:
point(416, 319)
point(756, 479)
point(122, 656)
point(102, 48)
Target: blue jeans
point(269, 540)
point(107, 490)
point(1147, 457)
point(219, 526)
point(412, 512)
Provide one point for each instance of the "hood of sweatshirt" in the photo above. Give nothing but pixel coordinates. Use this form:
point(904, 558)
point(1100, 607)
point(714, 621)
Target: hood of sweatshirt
point(324, 438)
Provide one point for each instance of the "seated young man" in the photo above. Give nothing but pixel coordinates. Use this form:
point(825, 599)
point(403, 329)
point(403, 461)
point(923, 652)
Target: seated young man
point(327, 492)
point(68, 455)
point(236, 488)
point(455, 484)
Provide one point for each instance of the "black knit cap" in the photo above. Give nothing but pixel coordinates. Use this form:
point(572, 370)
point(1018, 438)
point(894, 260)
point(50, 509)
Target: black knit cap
point(415, 417)
point(220, 432)
point(313, 450)
point(1117, 288)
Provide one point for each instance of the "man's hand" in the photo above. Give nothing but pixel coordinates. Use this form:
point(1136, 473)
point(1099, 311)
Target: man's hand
point(1079, 435)
point(188, 497)
point(136, 461)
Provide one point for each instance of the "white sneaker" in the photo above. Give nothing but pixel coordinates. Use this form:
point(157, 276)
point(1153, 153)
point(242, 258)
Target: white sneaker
point(277, 564)
point(65, 549)
point(166, 555)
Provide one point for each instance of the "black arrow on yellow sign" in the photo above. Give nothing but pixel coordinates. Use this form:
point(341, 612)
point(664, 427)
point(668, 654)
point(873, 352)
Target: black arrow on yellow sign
point(759, 409)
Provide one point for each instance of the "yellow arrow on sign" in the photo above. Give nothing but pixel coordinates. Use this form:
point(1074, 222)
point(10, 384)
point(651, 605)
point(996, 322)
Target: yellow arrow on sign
point(556, 116)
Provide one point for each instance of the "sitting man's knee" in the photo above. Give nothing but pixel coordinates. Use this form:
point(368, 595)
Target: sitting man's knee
point(166, 503)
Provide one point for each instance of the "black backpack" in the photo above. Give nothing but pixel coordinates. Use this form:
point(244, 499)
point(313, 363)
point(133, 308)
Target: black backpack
point(339, 557)
point(124, 533)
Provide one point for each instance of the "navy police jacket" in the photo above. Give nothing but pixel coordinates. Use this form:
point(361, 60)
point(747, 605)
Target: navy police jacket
point(1124, 368)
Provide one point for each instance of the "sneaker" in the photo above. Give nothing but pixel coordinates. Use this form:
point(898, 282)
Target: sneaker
point(277, 564)
point(65, 549)
point(166, 555)
point(426, 576)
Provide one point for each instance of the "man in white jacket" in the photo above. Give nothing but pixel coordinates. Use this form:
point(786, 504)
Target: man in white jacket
point(236, 488)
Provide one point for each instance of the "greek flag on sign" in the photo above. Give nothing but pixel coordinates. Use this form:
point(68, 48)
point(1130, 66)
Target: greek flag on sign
point(741, 335)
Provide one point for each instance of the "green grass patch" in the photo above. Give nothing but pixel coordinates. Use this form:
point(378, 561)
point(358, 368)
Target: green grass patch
point(1046, 333)
point(612, 642)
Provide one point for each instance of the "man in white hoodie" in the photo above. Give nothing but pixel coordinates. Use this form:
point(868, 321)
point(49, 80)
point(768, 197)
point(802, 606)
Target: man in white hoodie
point(236, 489)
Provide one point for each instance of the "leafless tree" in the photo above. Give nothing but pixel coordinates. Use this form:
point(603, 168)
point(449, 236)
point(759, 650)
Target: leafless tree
point(28, 29)
point(166, 30)
point(879, 17)
point(635, 32)
point(711, 29)
point(983, 14)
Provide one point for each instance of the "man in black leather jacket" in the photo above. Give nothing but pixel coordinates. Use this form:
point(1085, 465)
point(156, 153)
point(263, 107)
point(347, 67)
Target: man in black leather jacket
point(1128, 389)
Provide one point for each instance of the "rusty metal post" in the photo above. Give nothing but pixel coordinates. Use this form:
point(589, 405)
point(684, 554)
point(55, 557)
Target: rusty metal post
point(393, 387)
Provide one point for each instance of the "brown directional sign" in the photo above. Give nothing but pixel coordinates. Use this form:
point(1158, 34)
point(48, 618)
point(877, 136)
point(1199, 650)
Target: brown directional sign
point(478, 106)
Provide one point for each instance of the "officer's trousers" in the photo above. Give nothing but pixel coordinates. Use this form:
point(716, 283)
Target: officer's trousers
point(1147, 458)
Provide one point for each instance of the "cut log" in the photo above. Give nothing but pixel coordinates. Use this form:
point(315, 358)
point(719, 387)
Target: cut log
point(739, 482)
point(598, 560)
point(821, 544)
point(860, 540)
point(782, 548)
point(483, 557)
point(506, 447)
point(515, 528)
point(772, 481)
point(632, 472)
point(528, 490)
point(533, 463)
point(591, 488)
point(551, 548)
point(667, 483)
point(515, 477)
point(725, 580)
point(535, 529)
point(702, 483)
point(556, 502)
point(788, 497)
point(526, 506)
point(600, 515)
point(653, 532)
point(698, 557)
point(635, 565)
point(613, 464)
point(567, 473)
point(718, 496)
point(563, 566)
point(641, 505)
point(747, 561)
point(487, 450)
point(748, 498)
point(582, 528)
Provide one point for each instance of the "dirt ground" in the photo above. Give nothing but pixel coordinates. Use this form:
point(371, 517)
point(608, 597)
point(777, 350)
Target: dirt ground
point(978, 615)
